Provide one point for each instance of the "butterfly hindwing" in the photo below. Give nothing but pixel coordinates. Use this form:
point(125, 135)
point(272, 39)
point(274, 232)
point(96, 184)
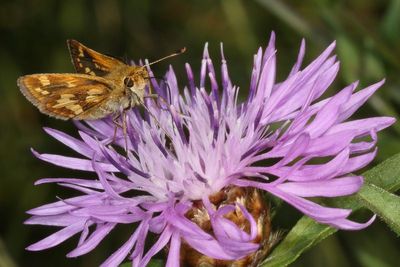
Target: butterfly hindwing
point(88, 61)
point(65, 96)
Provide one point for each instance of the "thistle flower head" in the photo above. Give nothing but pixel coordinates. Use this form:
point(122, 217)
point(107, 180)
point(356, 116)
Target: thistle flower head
point(204, 142)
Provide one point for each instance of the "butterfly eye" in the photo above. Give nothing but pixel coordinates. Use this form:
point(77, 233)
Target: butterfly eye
point(128, 82)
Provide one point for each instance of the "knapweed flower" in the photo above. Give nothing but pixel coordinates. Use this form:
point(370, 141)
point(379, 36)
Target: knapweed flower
point(194, 167)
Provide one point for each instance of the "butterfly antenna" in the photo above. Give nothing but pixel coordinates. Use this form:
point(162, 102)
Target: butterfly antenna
point(181, 51)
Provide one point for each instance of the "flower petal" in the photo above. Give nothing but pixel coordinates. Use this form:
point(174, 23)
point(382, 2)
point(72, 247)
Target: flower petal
point(173, 258)
point(53, 220)
point(72, 163)
point(159, 245)
point(346, 224)
point(71, 142)
point(58, 237)
point(118, 256)
point(95, 238)
point(328, 188)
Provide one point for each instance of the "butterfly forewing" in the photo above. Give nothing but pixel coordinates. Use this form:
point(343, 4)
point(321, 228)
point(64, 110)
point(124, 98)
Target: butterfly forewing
point(88, 61)
point(103, 86)
point(63, 96)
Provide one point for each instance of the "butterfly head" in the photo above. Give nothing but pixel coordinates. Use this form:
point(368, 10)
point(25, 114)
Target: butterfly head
point(135, 82)
point(138, 77)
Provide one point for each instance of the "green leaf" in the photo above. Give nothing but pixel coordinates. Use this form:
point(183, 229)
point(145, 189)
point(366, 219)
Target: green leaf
point(307, 232)
point(302, 236)
point(384, 204)
point(385, 175)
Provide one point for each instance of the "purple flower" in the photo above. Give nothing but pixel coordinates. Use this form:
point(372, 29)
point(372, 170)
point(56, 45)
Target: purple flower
point(204, 142)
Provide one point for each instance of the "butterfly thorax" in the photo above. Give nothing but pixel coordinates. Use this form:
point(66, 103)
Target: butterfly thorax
point(129, 84)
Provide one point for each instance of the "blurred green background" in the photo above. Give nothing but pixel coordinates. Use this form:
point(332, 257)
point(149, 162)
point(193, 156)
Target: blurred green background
point(33, 35)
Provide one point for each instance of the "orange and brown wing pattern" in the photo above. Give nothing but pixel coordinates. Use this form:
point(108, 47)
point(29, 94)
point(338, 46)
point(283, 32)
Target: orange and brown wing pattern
point(65, 96)
point(88, 61)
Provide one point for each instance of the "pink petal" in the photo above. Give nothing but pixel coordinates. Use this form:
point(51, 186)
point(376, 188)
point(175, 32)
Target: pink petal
point(58, 237)
point(95, 238)
point(53, 220)
point(118, 256)
point(159, 245)
point(363, 126)
point(328, 188)
point(71, 142)
point(346, 224)
point(173, 258)
point(72, 163)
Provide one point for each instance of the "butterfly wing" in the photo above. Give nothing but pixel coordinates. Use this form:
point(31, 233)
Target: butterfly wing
point(66, 96)
point(88, 61)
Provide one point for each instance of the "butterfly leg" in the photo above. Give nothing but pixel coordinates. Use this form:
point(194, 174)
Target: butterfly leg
point(124, 131)
point(123, 126)
point(116, 124)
